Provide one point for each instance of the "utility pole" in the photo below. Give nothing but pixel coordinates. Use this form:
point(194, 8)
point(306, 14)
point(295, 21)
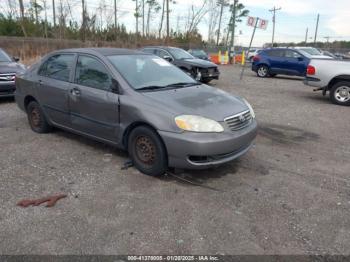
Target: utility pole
point(316, 31)
point(115, 20)
point(306, 34)
point(273, 10)
point(54, 13)
point(233, 24)
point(167, 22)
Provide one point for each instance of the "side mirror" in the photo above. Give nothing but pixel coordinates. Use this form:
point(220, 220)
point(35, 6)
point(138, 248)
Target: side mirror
point(300, 58)
point(168, 58)
point(16, 59)
point(115, 87)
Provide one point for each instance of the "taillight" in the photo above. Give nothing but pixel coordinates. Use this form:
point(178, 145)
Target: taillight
point(256, 58)
point(311, 70)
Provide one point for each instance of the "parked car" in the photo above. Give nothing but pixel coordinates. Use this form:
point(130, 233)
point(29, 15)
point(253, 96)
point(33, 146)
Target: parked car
point(285, 61)
point(199, 69)
point(251, 53)
point(137, 102)
point(9, 67)
point(199, 53)
point(312, 52)
point(331, 76)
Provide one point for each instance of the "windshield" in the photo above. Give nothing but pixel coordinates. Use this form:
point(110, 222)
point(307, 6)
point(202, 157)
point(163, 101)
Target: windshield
point(142, 71)
point(306, 54)
point(180, 53)
point(199, 53)
point(4, 57)
point(311, 51)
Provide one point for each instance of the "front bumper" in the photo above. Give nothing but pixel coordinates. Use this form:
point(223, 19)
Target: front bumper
point(7, 88)
point(202, 150)
point(210, 73)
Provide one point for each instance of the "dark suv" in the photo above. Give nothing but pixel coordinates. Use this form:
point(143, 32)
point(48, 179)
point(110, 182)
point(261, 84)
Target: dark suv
point(285, 61)
point(8, 70)
point(199, 69)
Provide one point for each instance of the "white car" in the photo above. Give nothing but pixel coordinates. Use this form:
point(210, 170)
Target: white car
point(311, 51)
point(251, 53)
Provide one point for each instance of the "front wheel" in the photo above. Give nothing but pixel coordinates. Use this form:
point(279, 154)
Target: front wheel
point(263, 71)
point(37, 119)
point(340, 93)
point(147, 151)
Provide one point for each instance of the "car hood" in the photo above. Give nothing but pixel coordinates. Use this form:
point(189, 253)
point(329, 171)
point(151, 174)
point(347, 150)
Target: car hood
point(202, 100)
point(11, 67)
point(199, 63)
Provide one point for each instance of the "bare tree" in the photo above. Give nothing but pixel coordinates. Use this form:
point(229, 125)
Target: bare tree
point(153, 6)
point(21, 7)
point(161, 20)
point(213, 19)
point(195, 16)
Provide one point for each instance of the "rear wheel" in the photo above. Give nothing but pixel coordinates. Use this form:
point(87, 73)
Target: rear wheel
point(340, 93)
point(147, 151)
point(36, 118)
point(263, 71)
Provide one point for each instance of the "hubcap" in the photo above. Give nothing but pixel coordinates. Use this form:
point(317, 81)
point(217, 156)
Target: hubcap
point(262, 71)
point(145, 150)
point(342, 94)
point(35, 117)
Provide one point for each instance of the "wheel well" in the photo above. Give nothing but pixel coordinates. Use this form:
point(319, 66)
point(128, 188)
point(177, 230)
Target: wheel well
point(132, 127)
point(27, 100)
point(337, 79)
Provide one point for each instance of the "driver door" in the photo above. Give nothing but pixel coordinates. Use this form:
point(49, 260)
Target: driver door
point(93, 106)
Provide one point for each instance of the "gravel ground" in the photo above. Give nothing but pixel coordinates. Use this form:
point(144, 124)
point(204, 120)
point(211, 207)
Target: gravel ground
point(290, 194)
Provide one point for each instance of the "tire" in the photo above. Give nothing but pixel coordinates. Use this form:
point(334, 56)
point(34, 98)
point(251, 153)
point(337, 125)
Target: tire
point(37, 119)
point(340, 93)
point(263, 71)
point(147, 151)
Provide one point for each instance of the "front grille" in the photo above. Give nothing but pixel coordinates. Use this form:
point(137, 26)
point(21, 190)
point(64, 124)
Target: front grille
point(239, 121)
point(7, 77)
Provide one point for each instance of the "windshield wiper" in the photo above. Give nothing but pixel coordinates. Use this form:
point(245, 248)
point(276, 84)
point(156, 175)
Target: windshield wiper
point(150, 88)
point(170, 86)
point(183, 84)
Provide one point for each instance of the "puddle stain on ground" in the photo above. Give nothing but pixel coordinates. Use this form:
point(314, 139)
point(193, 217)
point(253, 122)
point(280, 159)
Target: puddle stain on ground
point(286, 134)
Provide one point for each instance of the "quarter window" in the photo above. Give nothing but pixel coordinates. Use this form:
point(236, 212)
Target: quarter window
point(91, 72)
point(57, 67)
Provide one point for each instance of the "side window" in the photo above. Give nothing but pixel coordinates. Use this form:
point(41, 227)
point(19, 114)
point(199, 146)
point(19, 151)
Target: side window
point(292, 54)
point(91, 72)
point(57, 67)
point(275, 53)
point(162, 53)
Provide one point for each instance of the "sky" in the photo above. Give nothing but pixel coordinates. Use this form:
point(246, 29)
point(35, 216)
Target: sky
point(292, 20)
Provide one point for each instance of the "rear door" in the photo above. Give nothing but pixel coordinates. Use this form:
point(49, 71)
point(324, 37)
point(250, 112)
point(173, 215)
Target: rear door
point(93, 106)
point(275, 58)
point(53, 85)
point(294, 63)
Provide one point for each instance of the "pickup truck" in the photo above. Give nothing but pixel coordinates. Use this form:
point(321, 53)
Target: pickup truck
point(332, 76)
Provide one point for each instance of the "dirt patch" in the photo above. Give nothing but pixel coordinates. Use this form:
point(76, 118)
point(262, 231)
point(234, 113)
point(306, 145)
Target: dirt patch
point(285, 134)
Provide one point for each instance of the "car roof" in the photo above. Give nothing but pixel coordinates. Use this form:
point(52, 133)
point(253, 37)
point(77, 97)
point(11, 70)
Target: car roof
point(103, 51)
point(163, 47)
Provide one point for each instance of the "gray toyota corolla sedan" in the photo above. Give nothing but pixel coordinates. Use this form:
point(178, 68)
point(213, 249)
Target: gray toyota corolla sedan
point(138, 102)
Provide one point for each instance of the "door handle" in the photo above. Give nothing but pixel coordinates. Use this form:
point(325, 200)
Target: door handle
point(40, 82)
point(75, 91)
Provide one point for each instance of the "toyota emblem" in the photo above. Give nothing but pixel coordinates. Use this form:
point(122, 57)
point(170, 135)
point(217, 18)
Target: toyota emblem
point(242, 118)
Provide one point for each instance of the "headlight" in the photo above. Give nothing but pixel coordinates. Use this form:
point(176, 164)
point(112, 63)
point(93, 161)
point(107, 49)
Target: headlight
point(198, 124)
point(250, 108)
